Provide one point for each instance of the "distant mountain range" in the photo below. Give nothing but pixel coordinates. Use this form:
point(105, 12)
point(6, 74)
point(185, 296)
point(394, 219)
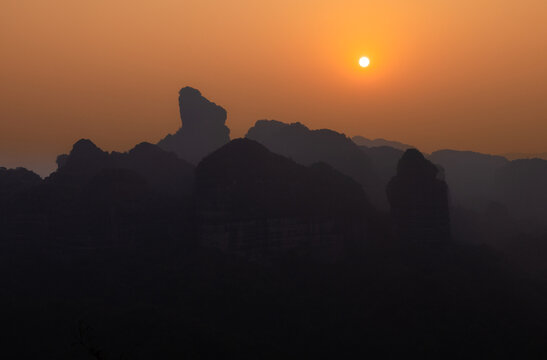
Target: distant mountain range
point(516, 156)
point(363, 141)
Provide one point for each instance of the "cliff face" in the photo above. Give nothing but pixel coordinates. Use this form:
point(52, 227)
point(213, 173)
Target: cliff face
point(419, 200)
point(259, 204)
point(203, 127)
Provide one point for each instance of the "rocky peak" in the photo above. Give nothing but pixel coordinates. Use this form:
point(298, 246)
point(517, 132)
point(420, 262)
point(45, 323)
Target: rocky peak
point(203, 127)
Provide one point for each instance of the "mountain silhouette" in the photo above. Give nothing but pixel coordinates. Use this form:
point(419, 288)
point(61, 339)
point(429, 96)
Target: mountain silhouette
point(16, 181)
point(255, 202)
point(84, 161)
point(164, 171)
point(17, 201)
point(518, 156)
point(307, 146)
point(419, 200)
point(203, 127)
point(277, 243)
point(99, 195)
point(363, 141)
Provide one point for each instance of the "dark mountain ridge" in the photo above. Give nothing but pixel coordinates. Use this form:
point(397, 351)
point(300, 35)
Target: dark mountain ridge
point(164, 171)
point(307, 146)
point(363, 141)
point(250, 200)
point(272, 245)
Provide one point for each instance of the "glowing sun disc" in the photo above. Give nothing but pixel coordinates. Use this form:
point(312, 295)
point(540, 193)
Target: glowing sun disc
point(364, 62)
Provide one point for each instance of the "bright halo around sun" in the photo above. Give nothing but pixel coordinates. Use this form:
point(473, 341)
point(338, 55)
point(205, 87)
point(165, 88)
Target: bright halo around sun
point(364, 62)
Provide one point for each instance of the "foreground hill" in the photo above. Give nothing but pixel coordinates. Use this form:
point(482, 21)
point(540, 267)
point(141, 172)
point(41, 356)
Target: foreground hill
point(163, 171)
point(96, 197)
point(253, 202)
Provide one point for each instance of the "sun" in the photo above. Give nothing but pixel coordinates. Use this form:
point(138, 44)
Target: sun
point(364, 62)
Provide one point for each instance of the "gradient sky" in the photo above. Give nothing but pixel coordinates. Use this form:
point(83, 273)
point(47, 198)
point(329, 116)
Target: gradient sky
point(467, 74)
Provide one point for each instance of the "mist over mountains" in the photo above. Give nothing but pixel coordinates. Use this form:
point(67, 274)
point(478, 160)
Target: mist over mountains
point(286, 241)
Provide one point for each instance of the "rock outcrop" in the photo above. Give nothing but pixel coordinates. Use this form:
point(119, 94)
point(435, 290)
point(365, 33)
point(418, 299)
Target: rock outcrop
point(419, 200)
point(203, 127)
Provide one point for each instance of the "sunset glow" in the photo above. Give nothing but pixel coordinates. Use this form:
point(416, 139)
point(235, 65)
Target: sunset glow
point(110, 70)
point(251, 179)
point(364, 62)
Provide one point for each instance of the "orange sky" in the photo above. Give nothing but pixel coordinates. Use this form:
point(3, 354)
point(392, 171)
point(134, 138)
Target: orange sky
point(467, 74)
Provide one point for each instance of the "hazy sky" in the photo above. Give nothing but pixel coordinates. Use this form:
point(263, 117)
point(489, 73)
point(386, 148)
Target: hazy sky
point(467, 74)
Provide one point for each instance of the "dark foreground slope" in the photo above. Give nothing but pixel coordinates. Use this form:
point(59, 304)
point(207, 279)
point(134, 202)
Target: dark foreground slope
point(444, 301)
point(99, 198)
point(171, 297)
